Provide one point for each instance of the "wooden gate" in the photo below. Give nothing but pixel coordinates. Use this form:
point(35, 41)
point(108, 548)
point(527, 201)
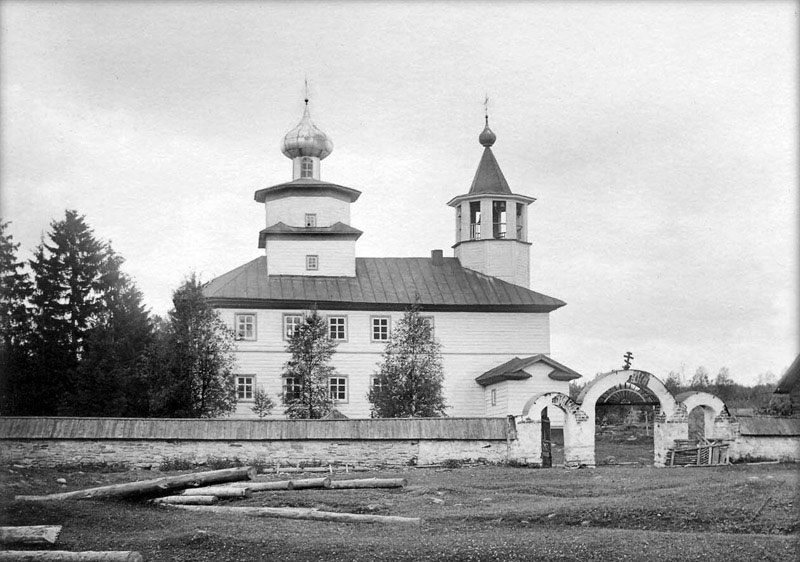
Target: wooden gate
point(547, 444)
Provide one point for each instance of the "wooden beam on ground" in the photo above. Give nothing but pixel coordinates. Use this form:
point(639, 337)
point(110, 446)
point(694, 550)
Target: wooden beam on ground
point(219, 491)
point(31, 534)
point(66, 556)
point(187, 500)
point(152, 487)
point(301, 513)
point(264, 486)
point(368, 483)
point(305, 483)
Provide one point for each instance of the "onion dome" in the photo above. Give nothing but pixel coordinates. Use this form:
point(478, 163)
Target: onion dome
point(487, 137)
point(306, 140)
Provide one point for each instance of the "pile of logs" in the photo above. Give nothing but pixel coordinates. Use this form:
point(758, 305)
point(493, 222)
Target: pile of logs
point(198, 491)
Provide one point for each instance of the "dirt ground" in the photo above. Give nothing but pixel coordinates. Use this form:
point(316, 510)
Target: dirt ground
point(480, 513)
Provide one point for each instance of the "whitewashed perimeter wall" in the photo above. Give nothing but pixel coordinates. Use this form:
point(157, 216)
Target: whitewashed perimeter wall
point(472, 343)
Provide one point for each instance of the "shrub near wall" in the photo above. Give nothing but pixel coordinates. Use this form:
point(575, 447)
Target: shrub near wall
point(147, 443)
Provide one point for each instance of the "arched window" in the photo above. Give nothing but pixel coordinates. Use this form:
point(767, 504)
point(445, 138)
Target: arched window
point(306, 167)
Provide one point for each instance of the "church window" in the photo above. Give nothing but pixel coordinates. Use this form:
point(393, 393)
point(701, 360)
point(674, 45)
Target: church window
point(306, 167)
point(520, 221)
point(292, 389)
point(475, 220)
point(311, 220)
point(377, 385)
point(494, 397)
point(380, 328)
point(337, 388)
point(246, 327)
point(458, 223)
point(498, 219)
point(312, 263)
point(244, 387)
point(428, 320)
point(291, 322)
point(337, 328)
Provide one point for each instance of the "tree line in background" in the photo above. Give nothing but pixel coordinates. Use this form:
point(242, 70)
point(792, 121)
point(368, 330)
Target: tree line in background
point(77, 339)
point(758, 397)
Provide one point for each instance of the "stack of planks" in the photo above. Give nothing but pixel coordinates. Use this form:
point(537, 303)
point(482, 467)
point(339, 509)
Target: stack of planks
point(698, 453)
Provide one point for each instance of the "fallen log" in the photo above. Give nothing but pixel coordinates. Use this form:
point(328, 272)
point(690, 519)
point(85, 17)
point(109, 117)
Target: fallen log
point(301, 513)
point(368, 483)
point(187, 500)
point(152, 487)
point(290, 469)
point(219, 491)
point(304, 483)
point(264, 486)
point(66, 556)
point(32, 534)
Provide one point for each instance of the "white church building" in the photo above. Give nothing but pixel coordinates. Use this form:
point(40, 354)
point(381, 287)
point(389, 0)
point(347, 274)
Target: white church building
point(494, 330)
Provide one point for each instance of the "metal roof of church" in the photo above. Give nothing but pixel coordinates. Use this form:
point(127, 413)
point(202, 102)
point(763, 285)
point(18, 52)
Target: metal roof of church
point(379, 284)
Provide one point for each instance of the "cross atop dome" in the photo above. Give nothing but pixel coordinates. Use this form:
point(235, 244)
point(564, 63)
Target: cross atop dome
point(306, 145)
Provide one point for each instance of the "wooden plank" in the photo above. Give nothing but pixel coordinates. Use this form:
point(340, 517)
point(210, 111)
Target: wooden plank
point(31, 534)
point(66, 556)
point(152, 487)
point(301, 513)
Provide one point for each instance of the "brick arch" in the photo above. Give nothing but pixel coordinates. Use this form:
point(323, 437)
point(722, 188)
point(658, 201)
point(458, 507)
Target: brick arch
point(577, 451)
point(670, 422)
point(714, 409)
point(539, 402)
point(596, 388)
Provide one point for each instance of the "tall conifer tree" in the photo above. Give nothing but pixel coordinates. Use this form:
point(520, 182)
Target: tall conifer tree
point(307, 395)
point(410, 376)
point(15, 290)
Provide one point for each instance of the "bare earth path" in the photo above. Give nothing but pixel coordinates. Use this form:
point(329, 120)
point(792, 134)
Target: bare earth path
point(477, 513)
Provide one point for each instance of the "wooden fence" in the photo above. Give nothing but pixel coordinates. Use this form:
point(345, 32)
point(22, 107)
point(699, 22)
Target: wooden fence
point(446, 429)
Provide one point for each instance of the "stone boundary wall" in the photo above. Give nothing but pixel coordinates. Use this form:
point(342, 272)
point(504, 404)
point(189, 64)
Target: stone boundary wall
point(146, 443)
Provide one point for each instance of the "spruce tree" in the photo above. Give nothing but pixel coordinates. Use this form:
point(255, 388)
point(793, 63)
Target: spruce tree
point(111, 377)
point(410, 375)
point(15, 290)
point(66, 303)
point(308, 370)
point(191, 362)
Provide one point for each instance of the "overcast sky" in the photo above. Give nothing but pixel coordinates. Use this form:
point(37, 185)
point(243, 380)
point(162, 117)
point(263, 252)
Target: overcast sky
point(660, 140)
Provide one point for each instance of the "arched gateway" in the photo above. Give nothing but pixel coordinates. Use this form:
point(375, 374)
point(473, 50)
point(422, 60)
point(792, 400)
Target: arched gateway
point(671, 419)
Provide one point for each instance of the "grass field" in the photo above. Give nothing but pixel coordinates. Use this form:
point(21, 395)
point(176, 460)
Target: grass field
point(732, 513)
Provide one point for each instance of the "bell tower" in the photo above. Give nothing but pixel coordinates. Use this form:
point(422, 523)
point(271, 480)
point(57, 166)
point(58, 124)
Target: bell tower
point(492, 222)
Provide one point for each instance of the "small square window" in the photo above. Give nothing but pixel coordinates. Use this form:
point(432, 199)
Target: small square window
point(337, 328)
point(291, 322)
point(292, 389)
point(246, 327)
point(312, 263)
point(380, 328)
point(244, 387)
point(337, 387)
point(311, 220)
